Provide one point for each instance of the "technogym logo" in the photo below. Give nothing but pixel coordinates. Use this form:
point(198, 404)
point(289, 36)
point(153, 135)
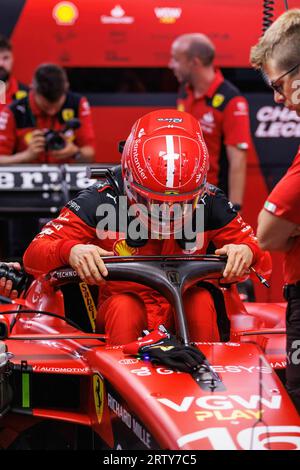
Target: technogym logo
point(180, 220)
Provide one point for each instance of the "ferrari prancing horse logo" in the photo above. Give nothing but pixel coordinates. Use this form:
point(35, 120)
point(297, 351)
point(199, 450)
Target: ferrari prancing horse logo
point(98, 387)
point(218, 100)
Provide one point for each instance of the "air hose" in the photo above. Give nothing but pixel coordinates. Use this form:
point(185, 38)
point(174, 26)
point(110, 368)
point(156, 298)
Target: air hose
point(268, 14)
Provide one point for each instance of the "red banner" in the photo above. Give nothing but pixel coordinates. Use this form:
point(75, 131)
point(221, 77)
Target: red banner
point(131, 33)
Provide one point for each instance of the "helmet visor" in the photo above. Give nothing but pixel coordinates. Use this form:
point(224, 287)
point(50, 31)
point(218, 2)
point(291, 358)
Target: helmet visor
point(163, 214)
point(165, 218)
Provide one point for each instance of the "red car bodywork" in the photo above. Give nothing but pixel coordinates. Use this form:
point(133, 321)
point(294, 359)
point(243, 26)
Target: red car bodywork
point(63, 374)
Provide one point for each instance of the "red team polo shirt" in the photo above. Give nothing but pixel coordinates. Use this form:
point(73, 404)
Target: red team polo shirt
point(18, 120)
point(14, 90)
point(224, 119)
point(284, 202)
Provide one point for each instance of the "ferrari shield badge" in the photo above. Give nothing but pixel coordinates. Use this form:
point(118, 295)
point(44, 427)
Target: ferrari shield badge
point(98, 387)
point(217, 100)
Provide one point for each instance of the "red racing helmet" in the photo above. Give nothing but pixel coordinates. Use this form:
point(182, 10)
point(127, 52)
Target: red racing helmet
point(165, 161)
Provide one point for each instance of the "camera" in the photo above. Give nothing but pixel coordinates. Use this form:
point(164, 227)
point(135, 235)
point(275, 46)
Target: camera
point(18, 278)
point(55, 139)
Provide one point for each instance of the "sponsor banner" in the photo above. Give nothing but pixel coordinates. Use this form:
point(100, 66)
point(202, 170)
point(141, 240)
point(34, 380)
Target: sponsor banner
point(89, 304)
point(117, 15)
point(130, 33)
point(223, 402)
point(65, 13)
point(145, 371)
point(168, 15)
point(276, 132)
point(43, 177)
point(233, 416)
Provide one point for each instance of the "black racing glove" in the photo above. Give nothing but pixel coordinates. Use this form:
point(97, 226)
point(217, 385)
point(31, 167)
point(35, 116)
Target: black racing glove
point(173, 354)
point(160, 347)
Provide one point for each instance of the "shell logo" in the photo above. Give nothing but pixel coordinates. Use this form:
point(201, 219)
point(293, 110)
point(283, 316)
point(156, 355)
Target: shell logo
point(65, 13)
point(121, 248)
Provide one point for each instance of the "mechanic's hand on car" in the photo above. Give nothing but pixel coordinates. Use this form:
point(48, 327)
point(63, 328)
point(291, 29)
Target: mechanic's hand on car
point(239, 259)
point(67, 152)
point(87, 261)
point(6, 285)
point(36, 145)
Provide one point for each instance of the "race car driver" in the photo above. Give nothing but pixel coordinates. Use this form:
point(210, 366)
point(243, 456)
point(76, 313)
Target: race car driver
point(164, 165)
point(277, 56)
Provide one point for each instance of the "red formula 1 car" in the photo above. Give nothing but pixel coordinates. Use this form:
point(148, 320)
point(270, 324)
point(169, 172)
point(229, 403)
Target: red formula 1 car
point(63, 386)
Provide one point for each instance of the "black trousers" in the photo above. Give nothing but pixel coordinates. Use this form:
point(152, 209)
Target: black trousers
point(293, 350)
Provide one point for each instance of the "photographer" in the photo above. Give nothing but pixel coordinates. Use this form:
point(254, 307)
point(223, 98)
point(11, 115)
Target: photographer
point(51, 125)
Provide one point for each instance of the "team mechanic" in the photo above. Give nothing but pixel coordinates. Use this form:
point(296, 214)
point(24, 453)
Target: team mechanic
point(220, 109)
point(278, 56)
point(14, 89)
point(164, 161)
point(49, 106)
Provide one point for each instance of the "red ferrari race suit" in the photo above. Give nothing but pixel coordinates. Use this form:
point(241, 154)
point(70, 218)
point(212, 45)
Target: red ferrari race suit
point(126, 308)
point(284, 202)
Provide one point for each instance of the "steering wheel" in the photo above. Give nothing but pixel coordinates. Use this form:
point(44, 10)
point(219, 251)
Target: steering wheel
point(170, 275)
